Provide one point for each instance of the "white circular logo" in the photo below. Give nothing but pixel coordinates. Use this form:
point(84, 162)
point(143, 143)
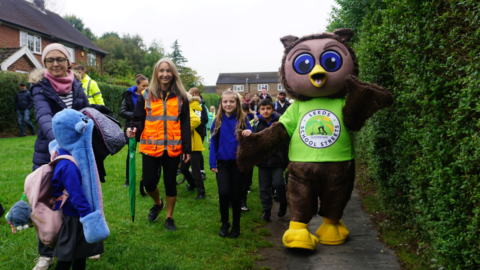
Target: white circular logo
point(320, 128)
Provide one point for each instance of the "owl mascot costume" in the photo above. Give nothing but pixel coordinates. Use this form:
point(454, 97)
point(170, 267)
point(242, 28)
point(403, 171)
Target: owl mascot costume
point(320, 72)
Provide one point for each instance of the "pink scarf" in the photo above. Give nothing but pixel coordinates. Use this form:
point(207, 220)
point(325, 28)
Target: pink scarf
point(61, 85)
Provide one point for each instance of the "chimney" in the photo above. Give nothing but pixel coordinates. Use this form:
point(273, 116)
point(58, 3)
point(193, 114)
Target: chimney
point(40, 5)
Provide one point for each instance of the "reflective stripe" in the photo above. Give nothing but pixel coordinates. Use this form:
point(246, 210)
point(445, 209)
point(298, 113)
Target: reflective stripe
point(179, 101)
point(148, 104)
point(161, 118)
point(165, 124)
point(161, 142)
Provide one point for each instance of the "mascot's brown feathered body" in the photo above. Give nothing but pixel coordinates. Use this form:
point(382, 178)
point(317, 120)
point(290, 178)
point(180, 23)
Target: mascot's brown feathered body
point(319, 72)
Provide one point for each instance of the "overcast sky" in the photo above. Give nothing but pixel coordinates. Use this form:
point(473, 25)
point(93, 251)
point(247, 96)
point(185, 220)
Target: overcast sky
point(216, 36)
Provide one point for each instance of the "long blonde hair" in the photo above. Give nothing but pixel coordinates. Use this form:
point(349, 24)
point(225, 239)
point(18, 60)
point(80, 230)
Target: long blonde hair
point(241, 122)
point(176, 84)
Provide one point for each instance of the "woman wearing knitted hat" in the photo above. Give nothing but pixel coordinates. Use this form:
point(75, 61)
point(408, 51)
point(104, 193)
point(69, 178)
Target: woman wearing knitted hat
point(53, 89)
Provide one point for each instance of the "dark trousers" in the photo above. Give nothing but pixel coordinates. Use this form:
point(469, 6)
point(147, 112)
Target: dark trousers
point(202, 162)
point(230, 184)
point(194, 178)
point(24, 117)
point(269, 179)
point(152, 169)
point(43, 250)
point(247, 182)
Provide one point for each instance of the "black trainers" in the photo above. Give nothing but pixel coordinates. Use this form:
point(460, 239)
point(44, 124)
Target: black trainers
point(189, 188)
point(170, 224)
point(244, 207)
point(282, 210)
point(153, 215)
point(200, 197)
point(235, 232)
point(266, 215)
point(224, 229)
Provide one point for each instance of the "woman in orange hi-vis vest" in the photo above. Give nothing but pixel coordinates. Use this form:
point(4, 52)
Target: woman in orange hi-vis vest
point(162, 127)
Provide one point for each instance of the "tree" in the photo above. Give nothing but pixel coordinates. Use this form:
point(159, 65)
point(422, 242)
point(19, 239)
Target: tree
point(177, 56)
point(109, 34)
point(78, 24)
point(154, 53)
point(74, 21)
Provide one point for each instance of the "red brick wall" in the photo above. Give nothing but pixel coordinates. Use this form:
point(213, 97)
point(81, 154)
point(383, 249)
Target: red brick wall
point(22, 64)
point(10, 37)
point(45, 43)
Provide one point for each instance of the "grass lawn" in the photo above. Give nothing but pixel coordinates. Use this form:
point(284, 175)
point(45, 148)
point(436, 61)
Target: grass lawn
point(139, 245)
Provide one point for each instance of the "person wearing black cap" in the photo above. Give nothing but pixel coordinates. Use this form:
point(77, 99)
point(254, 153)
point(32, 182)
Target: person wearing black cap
point(23, 104)
point(282, 104)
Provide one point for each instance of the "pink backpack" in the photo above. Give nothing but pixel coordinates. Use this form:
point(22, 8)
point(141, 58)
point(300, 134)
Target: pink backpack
point(38, 188)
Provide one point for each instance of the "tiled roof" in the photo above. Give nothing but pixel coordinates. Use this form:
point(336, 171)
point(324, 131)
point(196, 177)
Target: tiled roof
point(210, 89)
point(5, 53)
point(25, 15)
point(253, 77)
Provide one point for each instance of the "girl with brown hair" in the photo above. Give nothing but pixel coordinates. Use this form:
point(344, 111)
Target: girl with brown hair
point(128, 106)
point(223, 158)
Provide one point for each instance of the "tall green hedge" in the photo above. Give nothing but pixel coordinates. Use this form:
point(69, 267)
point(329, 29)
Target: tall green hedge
point(211, 99)
point(9, 85)
point(424, 151)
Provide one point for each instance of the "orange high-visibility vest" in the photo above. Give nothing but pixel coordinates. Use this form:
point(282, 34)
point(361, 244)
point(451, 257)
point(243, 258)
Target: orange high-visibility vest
point(162, 127)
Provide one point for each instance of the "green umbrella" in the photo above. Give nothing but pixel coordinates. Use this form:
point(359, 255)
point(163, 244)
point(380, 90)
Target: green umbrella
point(132, 145)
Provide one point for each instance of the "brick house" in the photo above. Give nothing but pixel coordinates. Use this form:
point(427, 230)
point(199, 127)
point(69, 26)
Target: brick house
point(251, 82)
point(26, 28)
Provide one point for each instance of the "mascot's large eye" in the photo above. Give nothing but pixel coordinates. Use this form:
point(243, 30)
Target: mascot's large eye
point(303, 63)
point(331, 61)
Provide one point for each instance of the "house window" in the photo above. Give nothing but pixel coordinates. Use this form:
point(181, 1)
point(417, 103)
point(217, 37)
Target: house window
point(34, 43)
point(261, 86)
point(72, 53)
point(91, 59)
point(280, 88)
point(238, 88)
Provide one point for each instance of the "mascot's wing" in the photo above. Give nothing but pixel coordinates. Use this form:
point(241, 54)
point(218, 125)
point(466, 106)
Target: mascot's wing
point(363, 100)
point(252, 149)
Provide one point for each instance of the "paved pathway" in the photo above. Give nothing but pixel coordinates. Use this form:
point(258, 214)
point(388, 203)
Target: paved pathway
point(361, 251)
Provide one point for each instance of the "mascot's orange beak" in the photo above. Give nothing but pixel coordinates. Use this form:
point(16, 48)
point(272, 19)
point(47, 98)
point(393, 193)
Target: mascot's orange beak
point(318, 76)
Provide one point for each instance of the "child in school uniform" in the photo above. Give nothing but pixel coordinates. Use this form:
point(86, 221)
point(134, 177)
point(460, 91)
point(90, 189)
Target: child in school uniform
point(270, 169)
point(72, 249)
point(223, 159)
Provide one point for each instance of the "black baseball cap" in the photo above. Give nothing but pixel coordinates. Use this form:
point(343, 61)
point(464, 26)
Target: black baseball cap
point(282, 92)
point(22, 84)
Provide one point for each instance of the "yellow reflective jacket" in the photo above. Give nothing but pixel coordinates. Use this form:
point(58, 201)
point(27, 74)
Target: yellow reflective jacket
point(197, 144)
point(92, 91)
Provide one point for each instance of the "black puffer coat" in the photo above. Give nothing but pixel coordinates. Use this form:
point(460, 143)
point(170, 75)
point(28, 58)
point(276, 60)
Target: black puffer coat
point(279, 158)
point(47, 104)
point(126, 111)
point(23, 100)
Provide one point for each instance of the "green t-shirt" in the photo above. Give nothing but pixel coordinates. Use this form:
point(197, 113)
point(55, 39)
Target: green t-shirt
point(317, 131)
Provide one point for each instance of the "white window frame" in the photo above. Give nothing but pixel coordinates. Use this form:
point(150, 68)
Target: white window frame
point(280, 88)
point(91, 56)
point(238, 88)
point(260, 86)
point(72, 52)
point(36, 42)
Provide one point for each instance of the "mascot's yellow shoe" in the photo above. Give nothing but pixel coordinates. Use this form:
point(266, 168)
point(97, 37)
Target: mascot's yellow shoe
point(297, 236)
point(332, 232)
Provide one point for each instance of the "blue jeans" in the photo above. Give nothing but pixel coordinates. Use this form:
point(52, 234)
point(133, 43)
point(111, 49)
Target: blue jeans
point(24, 116)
